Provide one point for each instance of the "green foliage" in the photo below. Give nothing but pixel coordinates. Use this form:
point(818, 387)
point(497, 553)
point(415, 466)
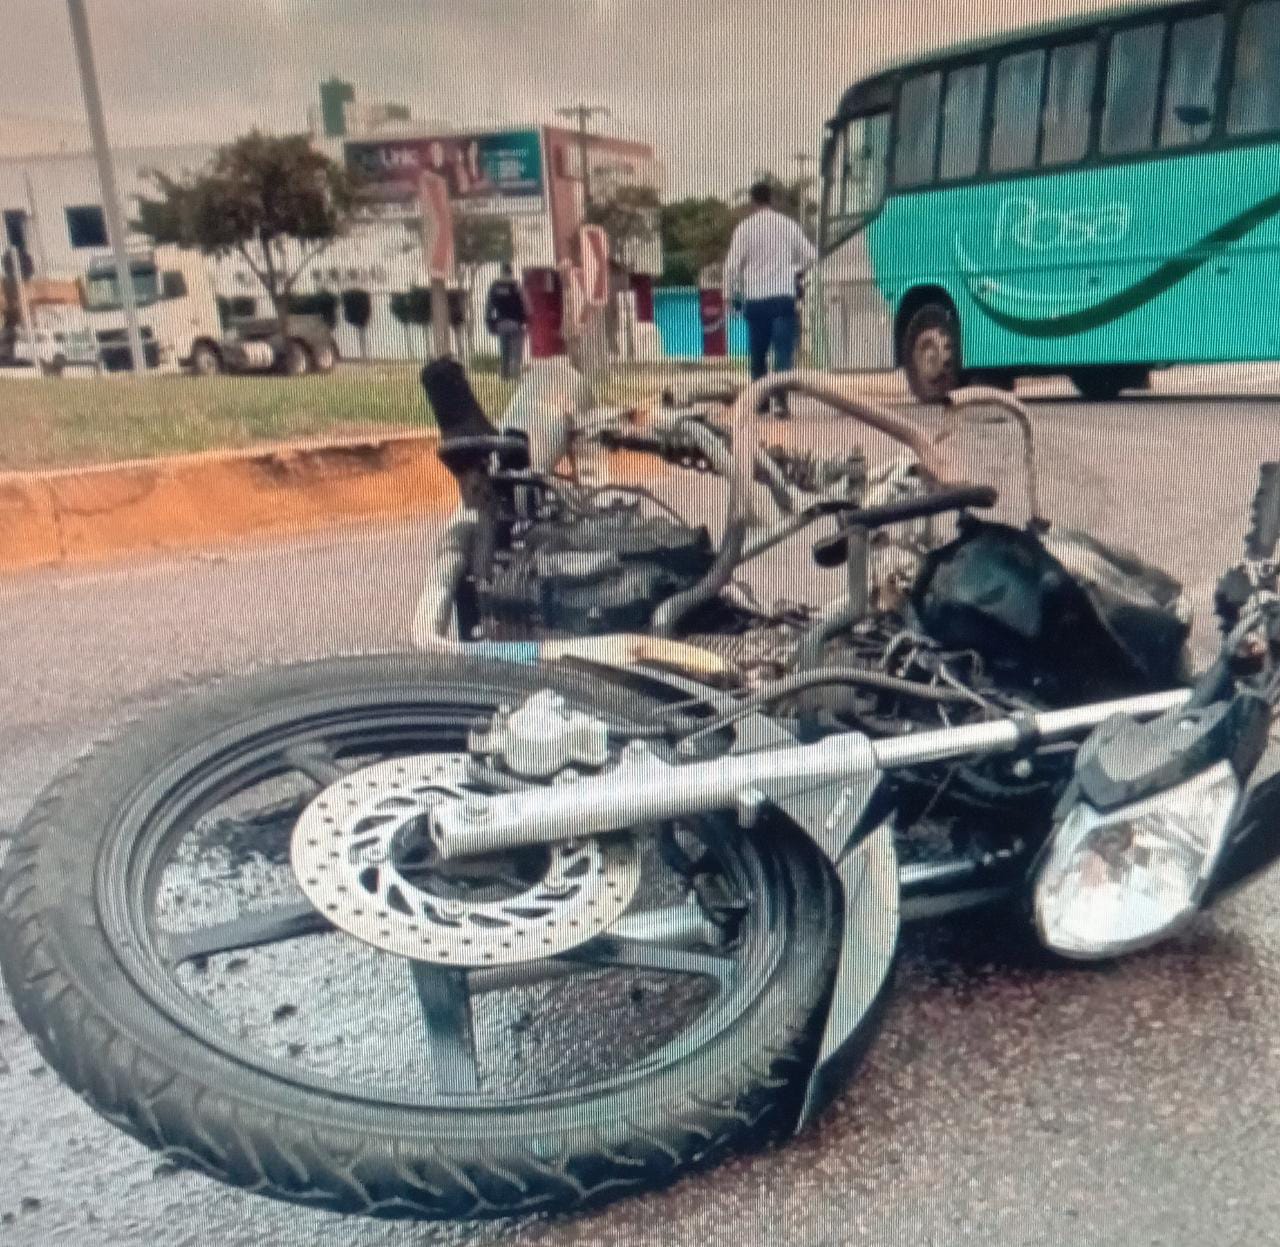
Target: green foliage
point(481, 239)
point(255, 195)
point(696, 233)
point(629, 215)
point(418, 305)
point(357, 309)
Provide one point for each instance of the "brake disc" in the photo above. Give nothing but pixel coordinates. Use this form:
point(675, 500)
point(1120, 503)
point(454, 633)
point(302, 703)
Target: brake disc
point(357, 853)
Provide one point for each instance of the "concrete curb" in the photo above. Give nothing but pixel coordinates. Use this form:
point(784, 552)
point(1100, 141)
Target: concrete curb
point(80, 515)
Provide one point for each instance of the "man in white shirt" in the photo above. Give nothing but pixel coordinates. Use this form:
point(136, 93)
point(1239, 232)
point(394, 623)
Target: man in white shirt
point(768, 254)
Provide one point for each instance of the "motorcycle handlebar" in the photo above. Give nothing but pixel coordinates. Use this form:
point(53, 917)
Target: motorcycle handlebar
point(832, 551)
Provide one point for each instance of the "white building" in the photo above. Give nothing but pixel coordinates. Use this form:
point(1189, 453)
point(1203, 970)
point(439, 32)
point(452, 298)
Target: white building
point(51, 207)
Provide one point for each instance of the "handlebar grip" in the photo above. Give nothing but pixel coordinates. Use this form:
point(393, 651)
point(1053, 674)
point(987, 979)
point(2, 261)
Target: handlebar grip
point(645, 443)
point(832, 551)
point(1264, 535)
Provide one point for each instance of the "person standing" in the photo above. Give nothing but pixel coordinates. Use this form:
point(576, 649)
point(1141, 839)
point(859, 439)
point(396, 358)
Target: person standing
point(767, 258)
point(506, 316)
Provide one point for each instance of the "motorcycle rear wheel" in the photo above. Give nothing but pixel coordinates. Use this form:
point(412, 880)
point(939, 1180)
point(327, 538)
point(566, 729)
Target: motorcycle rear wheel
point(135, 1029)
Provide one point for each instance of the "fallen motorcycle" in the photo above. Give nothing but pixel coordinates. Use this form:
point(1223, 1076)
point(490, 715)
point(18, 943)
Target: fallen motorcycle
point(609, 880)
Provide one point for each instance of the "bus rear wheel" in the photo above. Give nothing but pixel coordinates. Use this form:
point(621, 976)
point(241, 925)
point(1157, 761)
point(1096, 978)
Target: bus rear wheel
point(1105, 385)
point(931, 352)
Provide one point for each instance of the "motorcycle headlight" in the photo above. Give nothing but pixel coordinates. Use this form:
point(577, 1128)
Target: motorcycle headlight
point(1119, 881)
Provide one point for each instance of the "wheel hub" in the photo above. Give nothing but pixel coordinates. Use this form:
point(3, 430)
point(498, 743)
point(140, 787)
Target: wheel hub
point(933, 353)
point(361, 859)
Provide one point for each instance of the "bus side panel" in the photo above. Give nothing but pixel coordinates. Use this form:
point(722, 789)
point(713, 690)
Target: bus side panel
point(858, 319)
point(1157, 261)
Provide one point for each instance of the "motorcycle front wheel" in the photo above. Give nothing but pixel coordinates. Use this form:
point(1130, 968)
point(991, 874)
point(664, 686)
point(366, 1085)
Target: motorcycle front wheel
point(158, 947)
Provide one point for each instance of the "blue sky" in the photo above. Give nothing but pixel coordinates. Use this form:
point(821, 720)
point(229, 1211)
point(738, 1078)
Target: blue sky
point(720, 86)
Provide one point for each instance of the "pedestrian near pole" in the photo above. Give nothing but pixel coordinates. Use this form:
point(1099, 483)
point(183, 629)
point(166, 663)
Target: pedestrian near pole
point(106, 179)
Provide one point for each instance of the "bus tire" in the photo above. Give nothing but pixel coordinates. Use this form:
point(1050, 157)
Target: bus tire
point(1105, 385)
point(930, 352)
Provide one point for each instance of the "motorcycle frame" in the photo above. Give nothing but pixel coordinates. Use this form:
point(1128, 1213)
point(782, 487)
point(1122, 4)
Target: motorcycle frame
point(828, 793)
point(825, 782)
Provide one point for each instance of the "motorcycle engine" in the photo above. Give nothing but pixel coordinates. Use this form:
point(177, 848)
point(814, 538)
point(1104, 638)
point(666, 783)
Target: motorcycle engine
point(586, 575)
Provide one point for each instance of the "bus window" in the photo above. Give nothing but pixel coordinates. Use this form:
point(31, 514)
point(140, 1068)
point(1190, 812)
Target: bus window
point(1017, 111)
point(1191, 80)
point(1068, 103)
point(855, 175)
point(962, 122)
point(917, 135)
point(1133, 76)
point(1255, 93)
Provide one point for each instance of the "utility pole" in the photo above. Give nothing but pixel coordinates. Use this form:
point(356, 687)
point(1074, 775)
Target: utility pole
point(42, 256)
point(582, 114)
point(14, 258)
point(107, 179)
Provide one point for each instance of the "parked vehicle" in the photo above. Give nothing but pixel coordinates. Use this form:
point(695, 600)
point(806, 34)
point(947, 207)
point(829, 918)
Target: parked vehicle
point(180, 323)
point(610, 880)
point(62, 337)
point(261, 346)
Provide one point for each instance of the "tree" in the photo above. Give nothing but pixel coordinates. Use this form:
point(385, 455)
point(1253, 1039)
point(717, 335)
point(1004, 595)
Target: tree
point(629, 215)
point(412, 307)
point(696, 233)
point(400, 310)
point(478, 240)
point(357, 311)
point(256, 196)
point(419, 307)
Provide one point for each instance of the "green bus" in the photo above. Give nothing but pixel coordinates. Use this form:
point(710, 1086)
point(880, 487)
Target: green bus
point(1098, 197)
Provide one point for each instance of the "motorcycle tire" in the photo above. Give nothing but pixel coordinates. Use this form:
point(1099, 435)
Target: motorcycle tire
point(82, 961)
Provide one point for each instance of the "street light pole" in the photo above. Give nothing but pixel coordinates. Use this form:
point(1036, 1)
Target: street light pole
point(582, 114)
point(106, 179)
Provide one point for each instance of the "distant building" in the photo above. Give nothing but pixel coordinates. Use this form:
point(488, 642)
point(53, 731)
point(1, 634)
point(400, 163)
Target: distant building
point(341, 115)
point(51, 208)
point(531, 176)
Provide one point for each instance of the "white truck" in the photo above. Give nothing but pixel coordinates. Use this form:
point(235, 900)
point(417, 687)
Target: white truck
point(178, 310)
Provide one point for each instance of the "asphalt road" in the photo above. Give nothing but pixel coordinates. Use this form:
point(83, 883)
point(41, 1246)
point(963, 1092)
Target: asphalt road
point(1003, 1104)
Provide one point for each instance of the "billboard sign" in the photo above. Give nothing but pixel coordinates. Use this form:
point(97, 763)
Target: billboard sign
point(494, 172)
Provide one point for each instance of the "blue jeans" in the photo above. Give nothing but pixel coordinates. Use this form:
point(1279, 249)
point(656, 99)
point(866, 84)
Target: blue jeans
point(772, 325)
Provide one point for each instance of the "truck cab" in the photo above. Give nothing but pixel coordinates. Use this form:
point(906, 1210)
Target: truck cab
point(177, 309)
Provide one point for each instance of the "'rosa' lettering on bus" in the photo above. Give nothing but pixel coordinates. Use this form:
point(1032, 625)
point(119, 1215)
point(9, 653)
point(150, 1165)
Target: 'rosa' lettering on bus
point(1034, 226)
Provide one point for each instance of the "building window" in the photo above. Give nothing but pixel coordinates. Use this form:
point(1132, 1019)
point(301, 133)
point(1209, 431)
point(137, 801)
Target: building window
point(1068, 103)
point(917, 130)
point(1255, 94)
point(1191, 81)
point(86, 226)
point(962, 122)
point(15, 228)
point(1017, 111)
point(1133, 79)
